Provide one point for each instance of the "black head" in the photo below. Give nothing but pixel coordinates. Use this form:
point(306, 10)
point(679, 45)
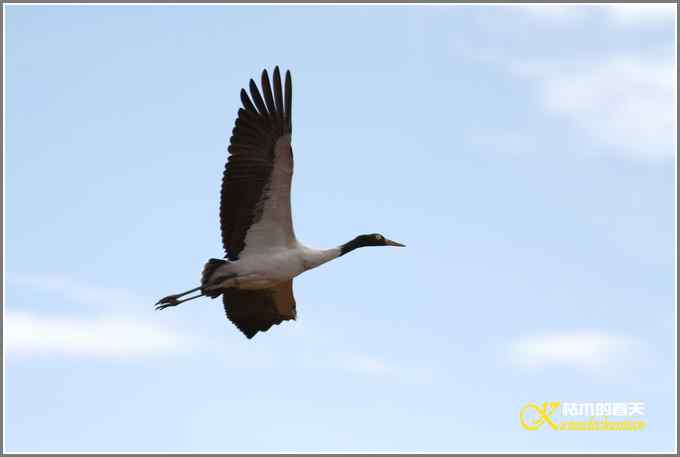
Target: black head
point(373, 239)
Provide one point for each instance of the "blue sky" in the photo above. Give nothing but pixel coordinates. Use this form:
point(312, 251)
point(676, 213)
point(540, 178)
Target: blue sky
point(525, 155)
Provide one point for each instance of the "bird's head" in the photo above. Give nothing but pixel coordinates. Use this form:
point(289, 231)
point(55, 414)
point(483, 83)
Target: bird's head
point(371, 239)
point(376, 239)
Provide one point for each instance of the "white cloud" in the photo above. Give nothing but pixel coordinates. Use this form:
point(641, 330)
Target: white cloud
point(116, 334)
point(554, 13)
point(584, 350)
point(28, 333)
point(632, 14)
point(624, 102)
point(641, 13)
point(76, 291)
point(380, 368)
point(367, 365)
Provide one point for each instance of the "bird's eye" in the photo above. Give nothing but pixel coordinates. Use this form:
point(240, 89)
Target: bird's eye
point(378, 237)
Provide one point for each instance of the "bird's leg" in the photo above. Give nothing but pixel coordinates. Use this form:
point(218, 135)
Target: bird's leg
point(175, 302)
point(172, 300)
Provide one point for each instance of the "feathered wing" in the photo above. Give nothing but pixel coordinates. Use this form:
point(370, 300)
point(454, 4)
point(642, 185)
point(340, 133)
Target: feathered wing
point(255, 311)
point(255, 211)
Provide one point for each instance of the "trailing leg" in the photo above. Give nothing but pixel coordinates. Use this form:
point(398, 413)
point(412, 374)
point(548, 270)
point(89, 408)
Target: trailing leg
point(173, 300)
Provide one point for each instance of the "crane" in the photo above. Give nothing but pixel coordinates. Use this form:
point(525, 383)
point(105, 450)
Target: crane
point(262, 255)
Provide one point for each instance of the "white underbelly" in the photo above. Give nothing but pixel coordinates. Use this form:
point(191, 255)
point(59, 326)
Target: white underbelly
point(261, 271)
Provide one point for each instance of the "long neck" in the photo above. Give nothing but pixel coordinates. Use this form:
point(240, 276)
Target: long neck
point(315, 257)
point(350, 246)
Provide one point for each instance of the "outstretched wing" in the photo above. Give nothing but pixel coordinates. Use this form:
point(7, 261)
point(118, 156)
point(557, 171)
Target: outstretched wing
point(255, 211)
point(255, 311)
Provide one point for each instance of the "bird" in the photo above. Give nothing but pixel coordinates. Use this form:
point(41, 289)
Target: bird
point(262, 254)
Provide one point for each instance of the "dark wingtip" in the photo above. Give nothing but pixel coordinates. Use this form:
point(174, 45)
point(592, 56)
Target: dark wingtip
point(257, 98)
point(247, 104)
point(278, 96)
point(268, 95)
point(249, 333)
point(288, 91)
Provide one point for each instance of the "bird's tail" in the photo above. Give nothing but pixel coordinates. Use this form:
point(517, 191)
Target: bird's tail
point(208, 269)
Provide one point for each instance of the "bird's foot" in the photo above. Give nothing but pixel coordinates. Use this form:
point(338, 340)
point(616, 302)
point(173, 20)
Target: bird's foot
point(165, 302)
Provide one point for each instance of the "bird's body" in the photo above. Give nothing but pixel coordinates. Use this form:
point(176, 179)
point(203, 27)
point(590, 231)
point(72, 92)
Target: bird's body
point(266, 269)
point(262, 253)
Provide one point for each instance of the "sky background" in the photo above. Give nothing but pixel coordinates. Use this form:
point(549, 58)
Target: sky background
point(525, 155)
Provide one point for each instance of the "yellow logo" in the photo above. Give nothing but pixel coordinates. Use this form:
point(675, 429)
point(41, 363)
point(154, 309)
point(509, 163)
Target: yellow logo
point(533, 416)
point(544, 412)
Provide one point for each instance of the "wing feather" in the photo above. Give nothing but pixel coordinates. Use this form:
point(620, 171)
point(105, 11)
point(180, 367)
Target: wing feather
point(288, 113)
point(257, 176)
point(255, 311)
point(278, 96)
point(268, 98)
point(247, 104)
point(257, 98)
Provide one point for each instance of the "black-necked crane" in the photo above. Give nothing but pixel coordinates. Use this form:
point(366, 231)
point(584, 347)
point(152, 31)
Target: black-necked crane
point(262, 254)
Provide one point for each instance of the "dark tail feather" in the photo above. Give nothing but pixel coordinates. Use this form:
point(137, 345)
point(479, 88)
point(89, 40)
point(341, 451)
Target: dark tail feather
point(208, 270)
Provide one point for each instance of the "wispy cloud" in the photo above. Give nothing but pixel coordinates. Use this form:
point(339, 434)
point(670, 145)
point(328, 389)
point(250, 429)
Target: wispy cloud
point(377, 367)
point(554, 13)
point(28, 333)
point(367, 365)
point(77, 291)
point(623, 99)
point(115, 333)
point(591, 351)
point(633, 14)
point(624, 102)
point(641, 13)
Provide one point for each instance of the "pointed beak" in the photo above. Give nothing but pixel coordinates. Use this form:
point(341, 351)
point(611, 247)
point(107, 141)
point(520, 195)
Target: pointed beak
point(394, 243)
